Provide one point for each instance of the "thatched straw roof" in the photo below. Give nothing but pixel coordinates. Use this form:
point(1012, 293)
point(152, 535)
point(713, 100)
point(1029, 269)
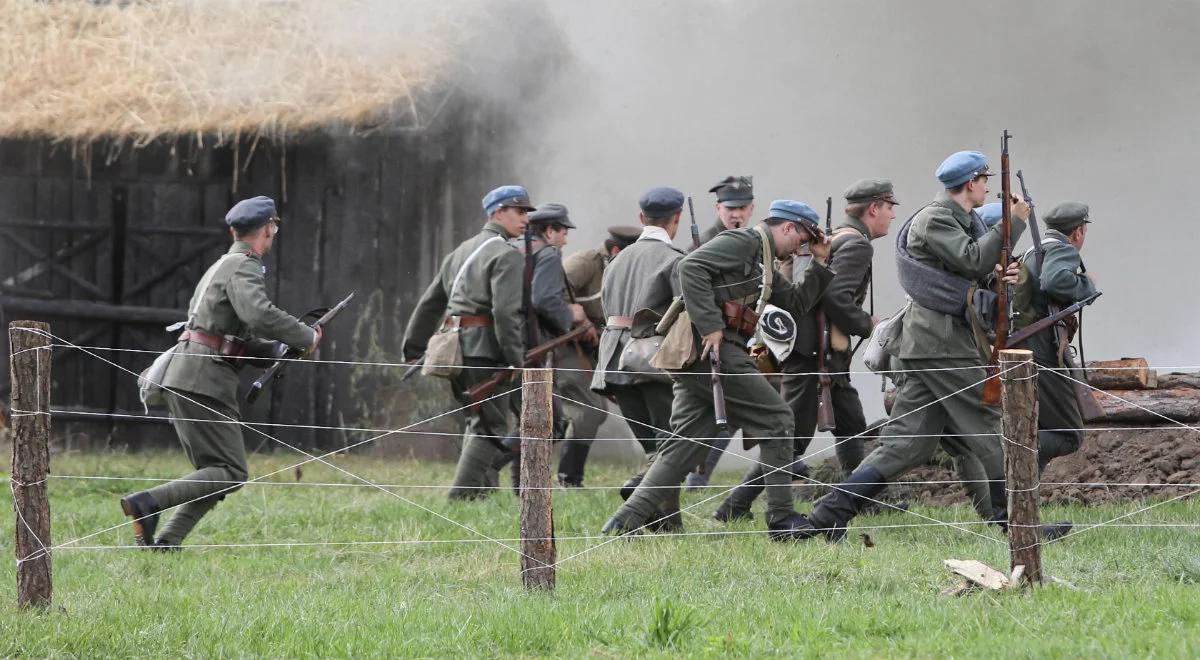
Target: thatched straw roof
point(75, 70)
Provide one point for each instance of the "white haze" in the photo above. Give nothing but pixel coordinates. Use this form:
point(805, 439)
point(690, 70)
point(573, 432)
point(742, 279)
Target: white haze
point(1101, 97)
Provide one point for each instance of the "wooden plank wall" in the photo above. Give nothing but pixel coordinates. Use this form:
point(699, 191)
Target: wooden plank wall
point(371, 214)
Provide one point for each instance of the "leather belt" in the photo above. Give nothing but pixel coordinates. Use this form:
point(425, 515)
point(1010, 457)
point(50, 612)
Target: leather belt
point(619, 322)
point(228, 346)
point(481, 321)
point(740, 318)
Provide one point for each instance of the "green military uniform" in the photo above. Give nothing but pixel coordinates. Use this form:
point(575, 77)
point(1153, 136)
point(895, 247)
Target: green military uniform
point(732, 192)
point(584, 272)
point(201, 382)
point(728, 268)
point(947, 237)
point(489, 287)
point(1062, 282)
point(641, 277)
point(850, 259)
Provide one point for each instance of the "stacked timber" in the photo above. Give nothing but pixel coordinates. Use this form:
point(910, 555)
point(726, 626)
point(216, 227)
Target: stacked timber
point(1132, 393)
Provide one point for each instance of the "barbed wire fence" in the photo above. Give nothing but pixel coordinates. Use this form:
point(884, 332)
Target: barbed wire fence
point(34, 548)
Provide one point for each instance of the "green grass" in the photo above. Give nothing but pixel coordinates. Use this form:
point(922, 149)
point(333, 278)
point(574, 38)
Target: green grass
point(656, 596)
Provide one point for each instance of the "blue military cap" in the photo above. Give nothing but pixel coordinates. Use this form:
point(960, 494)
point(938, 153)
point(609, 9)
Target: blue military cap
point(790, 209)
point(962, 167)
point(661, 202)
point(250, 214)
point(990, 213)
point(551, 214)
point(515, 196)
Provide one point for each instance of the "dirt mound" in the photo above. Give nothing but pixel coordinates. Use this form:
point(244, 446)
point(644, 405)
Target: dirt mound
point(1162, 462)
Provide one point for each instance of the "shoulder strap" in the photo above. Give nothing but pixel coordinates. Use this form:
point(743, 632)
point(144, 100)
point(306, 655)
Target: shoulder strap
point(768, 265)
point(205, 282)
point(463, 267)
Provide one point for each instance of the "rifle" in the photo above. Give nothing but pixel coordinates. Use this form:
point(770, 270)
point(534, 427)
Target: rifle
point(825, 417)
point(413, 368)
point(275, 370)
point(991, 387)
point(1052, 319)
point(481, 390)
point(531, 333)
point(714, 358)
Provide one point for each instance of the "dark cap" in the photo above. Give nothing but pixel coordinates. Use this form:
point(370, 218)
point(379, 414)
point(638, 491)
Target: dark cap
point(734, 191)
point(1066, 216)
point(624, 235)
point(551, 214)
point(870, 190)
point(250, 214)
point(661, 202)
point(514, 196)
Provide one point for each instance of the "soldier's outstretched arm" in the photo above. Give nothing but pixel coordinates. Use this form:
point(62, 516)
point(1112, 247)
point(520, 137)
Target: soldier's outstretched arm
point(1061, 279)
point(247, 294)
point(506, 285)
point(425, 318)
point(802, 295)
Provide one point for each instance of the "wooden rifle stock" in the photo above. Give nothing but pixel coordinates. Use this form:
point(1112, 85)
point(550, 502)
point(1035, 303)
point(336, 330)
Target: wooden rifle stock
point(274, 371)
point(826, 420)
point(991, 387)
point(483, 389)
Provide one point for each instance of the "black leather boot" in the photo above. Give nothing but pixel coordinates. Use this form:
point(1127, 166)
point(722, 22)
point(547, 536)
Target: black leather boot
point(836, 509)
point(144, 510)
point(666, 522)
point(630, 485)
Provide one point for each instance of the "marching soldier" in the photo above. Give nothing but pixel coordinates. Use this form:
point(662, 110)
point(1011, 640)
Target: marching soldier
point(229, 316)
point(722, 285)
point(477, 297)
point(939, 349)
point(735, 207)
point(1063, 281)
point(869, 214)
point(585, 274)
point(642, 277)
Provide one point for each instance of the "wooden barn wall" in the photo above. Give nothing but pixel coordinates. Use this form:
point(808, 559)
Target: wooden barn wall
point(368, 214)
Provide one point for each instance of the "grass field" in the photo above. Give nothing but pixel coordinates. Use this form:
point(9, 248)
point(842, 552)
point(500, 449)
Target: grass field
point(1136, 589)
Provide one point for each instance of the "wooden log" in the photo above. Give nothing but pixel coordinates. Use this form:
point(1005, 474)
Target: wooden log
point(537, 512)
point(1123, 374)
point(1181, 404)
point(1019, 427)
point(1176, 379)
point(29, 364)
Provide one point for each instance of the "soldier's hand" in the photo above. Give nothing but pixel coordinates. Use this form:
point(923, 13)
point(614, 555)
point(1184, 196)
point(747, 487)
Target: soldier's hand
point(317, 340)
point(820, 247)
point(711, 343)
point(592, 336)
point(1009, 276)
point(1020, 208)
point(577, 312)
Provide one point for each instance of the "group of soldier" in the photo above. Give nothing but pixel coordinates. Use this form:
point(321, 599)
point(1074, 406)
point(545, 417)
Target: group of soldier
point(766, 307)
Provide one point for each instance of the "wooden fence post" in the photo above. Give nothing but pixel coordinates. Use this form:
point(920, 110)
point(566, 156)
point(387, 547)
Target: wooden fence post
point(537, 511)
point(1019, 426)
point(29, 369)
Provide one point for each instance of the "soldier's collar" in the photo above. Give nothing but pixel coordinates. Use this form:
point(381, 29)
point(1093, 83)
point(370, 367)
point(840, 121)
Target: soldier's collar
point(242, 247)
point(856, 224)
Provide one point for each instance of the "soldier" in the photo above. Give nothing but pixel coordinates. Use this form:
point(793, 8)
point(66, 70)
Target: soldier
point(477, 295)
point(869, 214)
point(723, 284)
point(642, 277)
point(735, 207)
point(947, 236)
point(1063, 281)
point(548, 295)
point(585, 273)
point(229, 316)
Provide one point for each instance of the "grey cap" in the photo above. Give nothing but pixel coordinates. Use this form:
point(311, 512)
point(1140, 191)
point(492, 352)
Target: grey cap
point(870, 190)
point(551, 214)
point(1066, 216)
point(734, 191)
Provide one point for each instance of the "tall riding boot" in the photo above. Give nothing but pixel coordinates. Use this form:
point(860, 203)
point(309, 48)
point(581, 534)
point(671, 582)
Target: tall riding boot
point(836, 509)
point(571, 462)
point(1047, 532)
